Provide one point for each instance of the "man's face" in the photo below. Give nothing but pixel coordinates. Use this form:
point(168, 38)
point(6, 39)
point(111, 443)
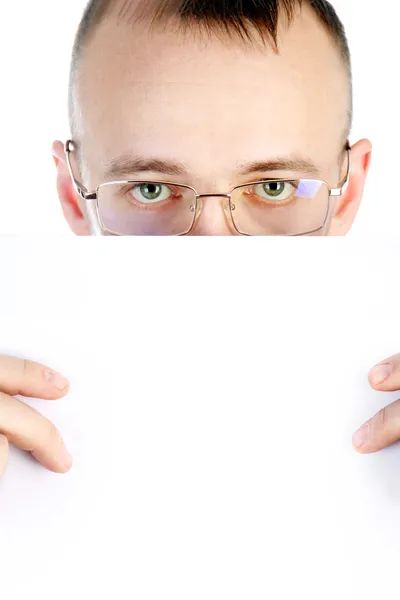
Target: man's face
point(212, 107)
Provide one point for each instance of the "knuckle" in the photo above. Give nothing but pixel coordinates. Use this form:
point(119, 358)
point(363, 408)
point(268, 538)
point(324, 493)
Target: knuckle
point(33, 372)
point(382, 418)
point(28, 369)
point(26, 375)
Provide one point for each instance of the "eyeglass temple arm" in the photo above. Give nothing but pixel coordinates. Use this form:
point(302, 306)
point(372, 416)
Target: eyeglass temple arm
point(339, 191)
point(79, 188)
point(345, 181)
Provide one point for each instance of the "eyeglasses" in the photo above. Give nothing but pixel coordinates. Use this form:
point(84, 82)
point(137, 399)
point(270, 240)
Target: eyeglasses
point(272, 207)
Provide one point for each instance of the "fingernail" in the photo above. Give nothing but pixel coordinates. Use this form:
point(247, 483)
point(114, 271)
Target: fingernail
point(361, 436)
point(380, 373)
point(56, 380)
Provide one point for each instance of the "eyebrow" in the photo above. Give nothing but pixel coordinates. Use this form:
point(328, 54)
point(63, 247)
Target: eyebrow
point(126, 165)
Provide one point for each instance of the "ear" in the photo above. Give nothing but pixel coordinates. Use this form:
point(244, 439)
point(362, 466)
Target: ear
point(348, 205)
point(68, 197)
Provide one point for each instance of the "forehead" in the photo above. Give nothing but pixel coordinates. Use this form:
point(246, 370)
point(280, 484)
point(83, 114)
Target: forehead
point(194, 96)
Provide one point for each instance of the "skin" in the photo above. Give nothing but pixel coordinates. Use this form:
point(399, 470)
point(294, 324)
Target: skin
point(22, 425)
point(212, 104)
point(384, 428)
point(26, 428)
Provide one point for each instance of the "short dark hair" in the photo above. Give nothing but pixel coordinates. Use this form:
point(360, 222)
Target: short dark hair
point(240, 16)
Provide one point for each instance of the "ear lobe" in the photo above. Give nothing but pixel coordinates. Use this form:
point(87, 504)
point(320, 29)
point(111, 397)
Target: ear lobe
point(349, 204)
point(67, 194)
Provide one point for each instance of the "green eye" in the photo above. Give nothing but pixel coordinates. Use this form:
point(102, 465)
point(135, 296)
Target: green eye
point(274, 190)
point(148, 193)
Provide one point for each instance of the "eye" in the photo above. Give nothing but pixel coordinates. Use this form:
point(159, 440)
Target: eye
point(149, 193)
point(274, 190)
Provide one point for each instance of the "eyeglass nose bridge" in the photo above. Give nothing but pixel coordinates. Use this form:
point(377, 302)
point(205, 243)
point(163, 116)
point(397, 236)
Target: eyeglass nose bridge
point(214, 196)
point(227, 207)
point(226, 196)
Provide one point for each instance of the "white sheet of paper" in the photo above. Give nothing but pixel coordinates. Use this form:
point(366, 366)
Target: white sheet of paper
point(215, 388)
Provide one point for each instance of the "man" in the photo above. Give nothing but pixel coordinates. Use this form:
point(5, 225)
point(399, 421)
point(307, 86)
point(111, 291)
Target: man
point(211, 118)
point(26, 428)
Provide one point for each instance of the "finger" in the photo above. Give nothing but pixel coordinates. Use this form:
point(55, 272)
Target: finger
point(3, 453)
point(29, 378)
point(386, 375)
point(26, 428)
point(381, 431)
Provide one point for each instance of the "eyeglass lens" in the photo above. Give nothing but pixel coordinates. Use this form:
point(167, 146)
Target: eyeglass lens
point(265, 208)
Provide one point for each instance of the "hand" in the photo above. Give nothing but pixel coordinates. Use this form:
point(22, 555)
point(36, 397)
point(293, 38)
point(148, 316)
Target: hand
point(22, 425)
point(384, 429)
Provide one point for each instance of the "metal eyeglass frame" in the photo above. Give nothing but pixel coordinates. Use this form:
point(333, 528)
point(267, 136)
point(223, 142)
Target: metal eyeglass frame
point(93, 196)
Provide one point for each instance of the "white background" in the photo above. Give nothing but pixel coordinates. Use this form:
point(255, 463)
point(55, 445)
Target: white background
point(213, 399)
point(35, 44)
